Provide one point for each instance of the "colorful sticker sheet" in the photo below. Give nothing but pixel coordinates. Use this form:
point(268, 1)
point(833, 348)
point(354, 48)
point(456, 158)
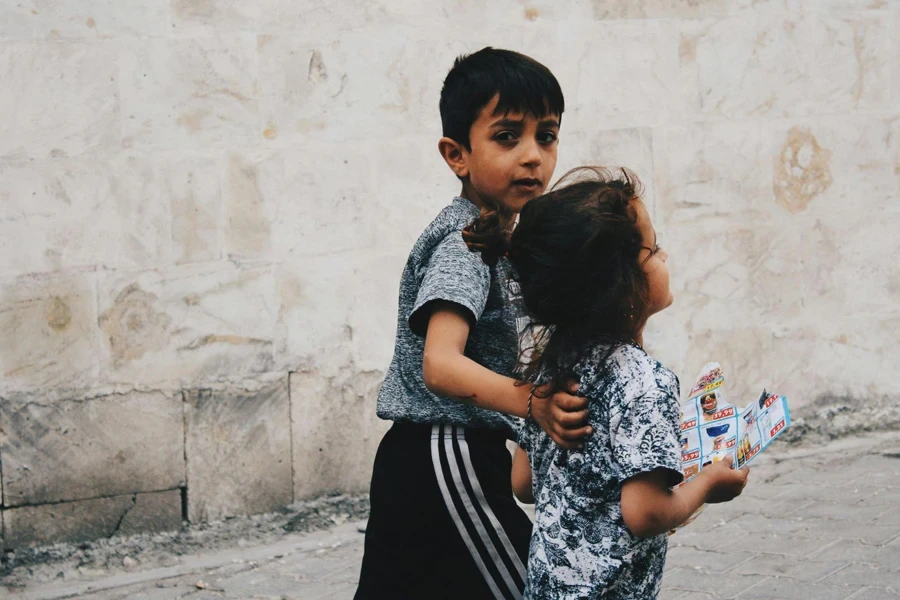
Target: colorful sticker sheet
point(714, 429)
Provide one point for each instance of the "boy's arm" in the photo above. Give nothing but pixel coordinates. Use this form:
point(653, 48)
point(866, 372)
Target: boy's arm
point(521, 477)
point(448, 372)
point(650, 508)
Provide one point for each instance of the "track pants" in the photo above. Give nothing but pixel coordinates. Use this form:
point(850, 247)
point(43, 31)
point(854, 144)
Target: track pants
point(443, 521)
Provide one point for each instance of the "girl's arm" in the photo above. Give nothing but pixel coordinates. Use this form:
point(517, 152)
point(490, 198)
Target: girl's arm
point(521, 477)
point(650, 508)
point(448, 372)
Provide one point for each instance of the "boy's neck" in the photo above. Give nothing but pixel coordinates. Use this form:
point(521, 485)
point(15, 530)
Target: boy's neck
point(507, 219)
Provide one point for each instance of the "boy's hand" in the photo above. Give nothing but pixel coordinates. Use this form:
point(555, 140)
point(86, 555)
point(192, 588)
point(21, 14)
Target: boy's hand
point(725, 482)
point(563, 416)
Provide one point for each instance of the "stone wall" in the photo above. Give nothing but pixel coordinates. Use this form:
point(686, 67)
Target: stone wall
point(205, 207)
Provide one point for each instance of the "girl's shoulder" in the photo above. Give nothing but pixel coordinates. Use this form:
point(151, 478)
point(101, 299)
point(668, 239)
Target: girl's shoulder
point(625, 371)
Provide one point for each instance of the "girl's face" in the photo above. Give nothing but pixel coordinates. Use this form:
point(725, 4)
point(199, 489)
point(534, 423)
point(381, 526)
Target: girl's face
point(653, 259)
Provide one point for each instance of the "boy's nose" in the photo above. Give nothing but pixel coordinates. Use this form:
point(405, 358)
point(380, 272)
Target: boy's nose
point(531, 154)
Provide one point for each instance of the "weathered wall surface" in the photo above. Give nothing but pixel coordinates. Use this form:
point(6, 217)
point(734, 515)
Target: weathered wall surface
point(205, 207)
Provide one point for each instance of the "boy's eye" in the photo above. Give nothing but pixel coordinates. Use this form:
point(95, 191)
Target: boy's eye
point(505, 136)
point(547, 137)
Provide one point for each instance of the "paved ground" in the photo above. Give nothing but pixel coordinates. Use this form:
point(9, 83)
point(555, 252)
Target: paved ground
point(815, 522)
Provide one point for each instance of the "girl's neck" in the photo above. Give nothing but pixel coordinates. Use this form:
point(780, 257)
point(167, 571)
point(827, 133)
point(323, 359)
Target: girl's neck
point(507, 218)
point(639, 336)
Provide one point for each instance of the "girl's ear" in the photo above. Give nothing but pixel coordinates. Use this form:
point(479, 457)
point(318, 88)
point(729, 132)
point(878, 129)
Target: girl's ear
point(455, 155)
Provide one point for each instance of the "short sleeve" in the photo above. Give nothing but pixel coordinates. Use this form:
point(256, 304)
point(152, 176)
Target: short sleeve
point(455, 274)
point(646, 436)
point(525, 434)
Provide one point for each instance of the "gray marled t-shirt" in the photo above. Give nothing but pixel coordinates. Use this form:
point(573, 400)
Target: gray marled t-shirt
point(441, 267)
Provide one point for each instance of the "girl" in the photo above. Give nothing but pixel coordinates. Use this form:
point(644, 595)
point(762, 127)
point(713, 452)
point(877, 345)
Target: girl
point(591, 273)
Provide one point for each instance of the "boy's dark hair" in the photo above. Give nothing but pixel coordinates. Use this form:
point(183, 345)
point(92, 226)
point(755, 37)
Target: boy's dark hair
point(575, 253)
point(524, 85)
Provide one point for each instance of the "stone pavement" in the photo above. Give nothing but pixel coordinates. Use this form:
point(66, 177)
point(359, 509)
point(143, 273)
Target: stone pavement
point(814, 522)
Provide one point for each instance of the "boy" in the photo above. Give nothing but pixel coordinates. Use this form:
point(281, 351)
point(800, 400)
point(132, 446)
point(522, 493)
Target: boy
point(443, 521)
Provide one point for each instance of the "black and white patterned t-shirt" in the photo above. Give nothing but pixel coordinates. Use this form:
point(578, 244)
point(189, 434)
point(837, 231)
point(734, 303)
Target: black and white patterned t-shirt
point(441, 267)
point(580, 545)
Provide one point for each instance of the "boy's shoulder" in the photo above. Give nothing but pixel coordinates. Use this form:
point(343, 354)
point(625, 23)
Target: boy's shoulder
point(452, 219)
point(629, 371)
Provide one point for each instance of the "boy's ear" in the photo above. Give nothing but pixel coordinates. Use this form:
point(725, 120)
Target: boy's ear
point(454, 155)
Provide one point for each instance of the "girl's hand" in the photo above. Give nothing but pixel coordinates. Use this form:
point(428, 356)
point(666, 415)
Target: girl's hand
point(563, 416)
point(725, 482)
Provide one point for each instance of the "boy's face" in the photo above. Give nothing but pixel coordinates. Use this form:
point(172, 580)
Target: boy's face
point(511, 160)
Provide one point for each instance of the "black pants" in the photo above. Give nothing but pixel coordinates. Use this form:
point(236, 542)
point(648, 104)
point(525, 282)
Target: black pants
point(443, 522)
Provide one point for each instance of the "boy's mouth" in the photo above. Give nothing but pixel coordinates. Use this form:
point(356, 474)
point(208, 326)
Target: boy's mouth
point(528, 184)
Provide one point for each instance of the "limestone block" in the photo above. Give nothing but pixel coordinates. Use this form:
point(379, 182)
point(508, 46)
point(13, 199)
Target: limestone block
point(314, 306)
point(715, 169)
point(410, 185)
point(854, 356)
point(103, 446)
point(816, 166)
point(847, 264)
point(82, 19)
point(153, 512)
point(189, 93)
point(824, 6)
point(48, 327)
point(778, 64)
point(324, 201)
point(317, 18)
point(727, 277)
point(201, 16)
point(238, 451)
point(91, 519)
point(66, 522)
point(188, 325)
point(443, 19)
point(372, 315)
point(471, 17)
point(251, 197)
point(895, 138)
point(338, 309)
point(196, 200)
point(34, 122)
point(322, 87)
point(635, 81)
point(796, 306)
point(655, 9)
point(631, 148)
point(753, 358)
point(59, 214)
point(827, 166)
point(336, 431)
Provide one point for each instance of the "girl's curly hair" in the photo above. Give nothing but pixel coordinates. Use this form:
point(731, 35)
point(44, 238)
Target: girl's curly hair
point(576, 254)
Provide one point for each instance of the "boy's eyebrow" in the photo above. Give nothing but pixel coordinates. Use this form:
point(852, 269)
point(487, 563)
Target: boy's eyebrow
point(507, 122)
